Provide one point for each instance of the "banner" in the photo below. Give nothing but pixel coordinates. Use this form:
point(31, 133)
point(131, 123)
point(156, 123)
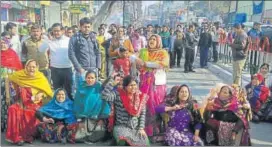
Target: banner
point(258, 7)
point(241, 17)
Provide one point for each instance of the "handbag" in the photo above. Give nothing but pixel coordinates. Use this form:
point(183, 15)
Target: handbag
point(160, 77)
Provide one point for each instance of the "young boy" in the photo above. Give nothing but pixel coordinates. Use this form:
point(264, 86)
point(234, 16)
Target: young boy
point(123, 63)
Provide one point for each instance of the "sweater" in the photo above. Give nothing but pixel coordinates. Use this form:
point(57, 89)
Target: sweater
point(122, 117)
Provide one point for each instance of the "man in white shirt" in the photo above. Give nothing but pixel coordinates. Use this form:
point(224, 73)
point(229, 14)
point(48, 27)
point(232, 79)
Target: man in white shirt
point(15, 40)
point(60, 64)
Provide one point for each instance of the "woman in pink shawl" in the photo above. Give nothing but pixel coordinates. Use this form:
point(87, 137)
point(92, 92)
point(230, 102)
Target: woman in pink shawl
point(154, 63)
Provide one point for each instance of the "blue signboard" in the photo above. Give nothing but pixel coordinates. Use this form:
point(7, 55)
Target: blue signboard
point(4, 14)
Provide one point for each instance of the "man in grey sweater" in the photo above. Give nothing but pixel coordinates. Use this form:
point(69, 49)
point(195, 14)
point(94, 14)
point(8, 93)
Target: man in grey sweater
point(83, 51)
point(239, 52)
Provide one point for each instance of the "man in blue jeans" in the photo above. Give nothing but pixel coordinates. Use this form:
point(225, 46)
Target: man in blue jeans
point(84, 52)
point(204, 44)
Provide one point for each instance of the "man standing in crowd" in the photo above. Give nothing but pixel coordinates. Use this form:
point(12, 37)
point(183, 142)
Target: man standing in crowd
point(191, 42)
point(101, 38)
point(15, 40)
point(84, 51)
point(31, 50)
point(28, 25)
point(60, 64)
point(149, 31)
point(204, 44)
point(70, 32)
point(215, 39)
point(239, 53)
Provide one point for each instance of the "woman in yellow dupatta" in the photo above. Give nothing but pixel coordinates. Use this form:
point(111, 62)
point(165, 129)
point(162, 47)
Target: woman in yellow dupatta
point(32, 91)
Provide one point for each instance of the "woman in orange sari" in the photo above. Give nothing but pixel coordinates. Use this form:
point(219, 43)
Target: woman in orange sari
point(154, 62)
point(32, 91)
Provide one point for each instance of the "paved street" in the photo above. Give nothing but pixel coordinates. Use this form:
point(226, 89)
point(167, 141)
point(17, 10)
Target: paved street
point(200, 83)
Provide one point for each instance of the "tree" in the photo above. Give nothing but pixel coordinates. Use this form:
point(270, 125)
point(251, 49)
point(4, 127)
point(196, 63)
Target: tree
point(103, 14)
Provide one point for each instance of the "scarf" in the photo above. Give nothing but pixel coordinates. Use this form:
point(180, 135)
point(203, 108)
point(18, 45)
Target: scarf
point(231, 104)
point(88, 102)
point(10, 59)
point(58, 110)
point(133, 106)
point(38, 82)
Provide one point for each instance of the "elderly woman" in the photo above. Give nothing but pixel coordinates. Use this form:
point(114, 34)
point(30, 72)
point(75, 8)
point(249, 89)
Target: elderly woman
point(120, 40)
point(153, 63)
point(90, 109)
point(58, 123)
point(10, 62)
point(129, 104)
point(257, 94)
point(226, 124)
point(32, 91)
point(185, 120)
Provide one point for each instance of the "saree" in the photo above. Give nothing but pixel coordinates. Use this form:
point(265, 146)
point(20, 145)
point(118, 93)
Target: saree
point(156, 93)
point(88, 102)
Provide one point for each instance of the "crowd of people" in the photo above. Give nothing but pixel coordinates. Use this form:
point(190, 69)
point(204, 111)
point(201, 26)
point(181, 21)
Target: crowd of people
point(71, 84)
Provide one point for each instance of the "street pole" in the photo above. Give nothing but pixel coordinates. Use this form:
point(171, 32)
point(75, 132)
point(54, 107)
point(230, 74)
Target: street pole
point(61, 12)
point(188, 13)
point(43, 14)
point(124, 3)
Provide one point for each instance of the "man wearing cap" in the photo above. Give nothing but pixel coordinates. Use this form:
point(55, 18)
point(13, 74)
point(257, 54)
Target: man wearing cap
point(239, 52)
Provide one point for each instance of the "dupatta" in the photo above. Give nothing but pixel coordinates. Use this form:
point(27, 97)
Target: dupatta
point(88, 102)
point(59, 110)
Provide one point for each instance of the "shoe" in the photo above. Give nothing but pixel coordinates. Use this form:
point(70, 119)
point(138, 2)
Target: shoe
point(186, 71)
point(20, 143)
point(192, 71)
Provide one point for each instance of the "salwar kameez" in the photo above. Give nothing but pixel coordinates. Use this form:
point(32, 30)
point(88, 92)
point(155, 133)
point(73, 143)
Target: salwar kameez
point(128, 120)
point(224, 119)
point(181, 126)
point(10, 62)
point(21, 122)
point(64, 127)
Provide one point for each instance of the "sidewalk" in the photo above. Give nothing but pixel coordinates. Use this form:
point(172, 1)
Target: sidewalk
point(224, 72)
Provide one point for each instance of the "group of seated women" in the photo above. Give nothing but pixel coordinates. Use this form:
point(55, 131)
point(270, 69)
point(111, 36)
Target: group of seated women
point(37, 112)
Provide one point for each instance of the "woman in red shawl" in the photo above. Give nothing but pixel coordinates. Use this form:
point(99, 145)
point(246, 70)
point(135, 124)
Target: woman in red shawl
point(9, 63)
point(226, 124)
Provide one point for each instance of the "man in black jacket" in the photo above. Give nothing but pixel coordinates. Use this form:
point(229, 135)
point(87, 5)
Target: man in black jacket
point(191, 42)
point(204, 44)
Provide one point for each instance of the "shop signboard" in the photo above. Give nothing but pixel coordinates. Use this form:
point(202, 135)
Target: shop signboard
point(78, 8)
point(45, 3)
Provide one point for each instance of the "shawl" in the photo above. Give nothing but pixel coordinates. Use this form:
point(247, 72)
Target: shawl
point(10, 59)
point(38, 82)
point(88, 102)
point(59, 110)
point(133, 107)
point(231, 104)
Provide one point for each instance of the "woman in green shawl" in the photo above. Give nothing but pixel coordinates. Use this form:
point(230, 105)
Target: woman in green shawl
point(90, 110)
